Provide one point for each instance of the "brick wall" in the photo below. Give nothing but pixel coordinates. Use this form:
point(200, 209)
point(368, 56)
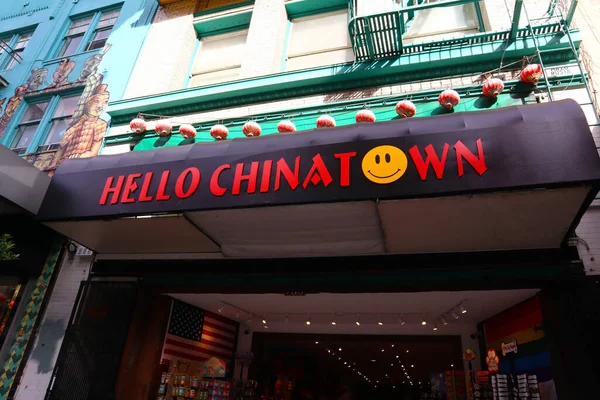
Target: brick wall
point(266, 39)
point(46, 346)
point(164, 60)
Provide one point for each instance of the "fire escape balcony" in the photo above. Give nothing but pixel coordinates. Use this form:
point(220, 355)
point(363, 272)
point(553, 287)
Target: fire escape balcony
point(383, 35)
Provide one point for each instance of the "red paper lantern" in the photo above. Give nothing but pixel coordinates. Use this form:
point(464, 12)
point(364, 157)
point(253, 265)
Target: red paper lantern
point(219, 132)
point(449, 99)
point(251, 129)
point(163, 128)
point(187, 131)
point(286, 126)
point(532, 73)
point(138, 125)
point(365, 116)
point(493, 87)
point(406, 109)
point(325, 121)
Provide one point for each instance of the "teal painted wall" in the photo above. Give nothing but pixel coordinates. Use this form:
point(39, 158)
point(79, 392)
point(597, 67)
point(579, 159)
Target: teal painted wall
point(38, 75)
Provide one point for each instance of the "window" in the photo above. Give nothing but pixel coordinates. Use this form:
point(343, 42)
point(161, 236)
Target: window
point(88, 33)
point(45, 123)
point(28, 126)
point(366, 7)
point(103, 29)
point(442, 23)
point(74, 36)
point(11, 49)
point(59, 123)
point(218, 59)
point(319, 40)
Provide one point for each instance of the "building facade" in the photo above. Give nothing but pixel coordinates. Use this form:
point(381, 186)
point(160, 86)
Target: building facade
point(333, 256)
point(60, 63)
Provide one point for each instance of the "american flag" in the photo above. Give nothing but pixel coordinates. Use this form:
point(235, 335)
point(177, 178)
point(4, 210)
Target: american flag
point(197, 335)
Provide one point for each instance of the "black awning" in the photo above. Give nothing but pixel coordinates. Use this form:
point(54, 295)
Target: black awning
point(509, 179)
point(546, 145)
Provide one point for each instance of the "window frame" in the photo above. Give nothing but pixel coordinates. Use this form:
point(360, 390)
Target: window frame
point(13, 38)
point(289, 33)
point(88, 34)
point(44, 124)
point(198, 53)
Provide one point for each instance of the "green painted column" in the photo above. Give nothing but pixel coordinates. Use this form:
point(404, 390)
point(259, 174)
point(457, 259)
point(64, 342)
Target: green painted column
point(29, 321)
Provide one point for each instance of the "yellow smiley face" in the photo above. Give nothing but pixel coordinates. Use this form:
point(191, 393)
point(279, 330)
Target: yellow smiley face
point(384, 164)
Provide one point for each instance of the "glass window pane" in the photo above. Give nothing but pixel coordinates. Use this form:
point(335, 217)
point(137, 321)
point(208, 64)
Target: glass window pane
point(12, 61)
point(23, 41)
point(4, 43)
point(79, 26)
point(220, 52)
point(320, 59)
point(70, 46)
point(23, 136)
point(66, 106)
point(211, 78)
point(108, 18)
point(57, 130)
point(319, 33)
point(99, 39)
point(34, 112)
point(443, 22)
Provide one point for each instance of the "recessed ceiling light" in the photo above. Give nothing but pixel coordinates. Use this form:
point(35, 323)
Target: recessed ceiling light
point(373, 360)
point(407, 351)
point(397, 356)
point(452, 365)
point(392, 345)
point(340, 349)
point(412, 366)
point(382, 350)
point(462, 308)
point(316, 342)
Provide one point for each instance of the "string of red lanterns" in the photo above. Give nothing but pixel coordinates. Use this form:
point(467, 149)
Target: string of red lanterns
point(448, 99)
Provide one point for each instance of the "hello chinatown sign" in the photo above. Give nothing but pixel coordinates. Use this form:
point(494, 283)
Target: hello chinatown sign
point(452, 154)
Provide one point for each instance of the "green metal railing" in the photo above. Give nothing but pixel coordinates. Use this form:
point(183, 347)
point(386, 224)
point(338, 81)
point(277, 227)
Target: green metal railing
point(379, 36)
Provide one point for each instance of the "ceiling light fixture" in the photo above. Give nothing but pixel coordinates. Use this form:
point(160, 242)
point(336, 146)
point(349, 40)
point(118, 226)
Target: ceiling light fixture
point(316, 342)
point(444, 320)
point(451, 365)
point(407, 351)
point(221, 309)
point(412, 365)
point(379, 320)
point(462, 308)
point(455, 315)
point(264, 320)
point(358, 320)
point(266, 327)
point(423, 322)
point(397, 356)
point(308, 320)
point(333, 320)
point(382, 350)
point(401, 320)
point(435, 327)
point(287, 318)
point(340, 349)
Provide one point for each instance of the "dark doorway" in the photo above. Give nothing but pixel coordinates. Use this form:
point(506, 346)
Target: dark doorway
point(298, 366)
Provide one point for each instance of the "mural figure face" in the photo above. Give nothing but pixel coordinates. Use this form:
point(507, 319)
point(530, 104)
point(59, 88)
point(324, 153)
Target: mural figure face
point(36, 79)
point(90, 66)
point(96, 105)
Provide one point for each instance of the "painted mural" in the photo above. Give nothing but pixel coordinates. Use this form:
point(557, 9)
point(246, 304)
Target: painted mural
point(83, 137)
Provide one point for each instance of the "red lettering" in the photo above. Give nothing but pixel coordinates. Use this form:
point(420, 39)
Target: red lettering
point(145, 187)
point(116, 190)
point(318, 172)
point(215, 188)
point(345, 167)
point(130, 187)
point(291, 177)
point(179, 185)
point(478, 163)
point(266, 176)
point(432, 158)
point(162, 186)
point(239, 177)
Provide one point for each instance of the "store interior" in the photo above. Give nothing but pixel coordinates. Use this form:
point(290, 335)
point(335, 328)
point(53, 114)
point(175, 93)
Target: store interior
point(357, 345)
